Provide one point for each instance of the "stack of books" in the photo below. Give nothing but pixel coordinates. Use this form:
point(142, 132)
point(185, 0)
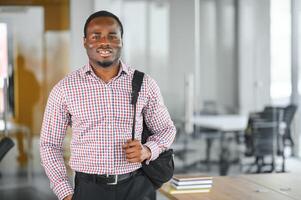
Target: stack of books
point(190, 184)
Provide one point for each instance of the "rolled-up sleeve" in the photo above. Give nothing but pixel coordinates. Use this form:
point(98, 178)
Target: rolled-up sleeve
point(55, 123)
point(158, 121)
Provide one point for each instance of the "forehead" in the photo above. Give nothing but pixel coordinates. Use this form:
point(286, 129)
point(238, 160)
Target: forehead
point(103, 23)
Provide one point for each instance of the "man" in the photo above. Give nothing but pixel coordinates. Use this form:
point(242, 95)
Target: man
point(96, 102)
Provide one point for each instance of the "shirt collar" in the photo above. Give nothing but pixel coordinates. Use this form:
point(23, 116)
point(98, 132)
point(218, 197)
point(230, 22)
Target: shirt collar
point(87, 69)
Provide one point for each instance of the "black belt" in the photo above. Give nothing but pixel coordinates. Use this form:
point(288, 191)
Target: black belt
point(106, 178)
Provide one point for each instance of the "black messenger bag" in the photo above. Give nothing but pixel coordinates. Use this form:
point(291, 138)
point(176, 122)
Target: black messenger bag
point(161, 170)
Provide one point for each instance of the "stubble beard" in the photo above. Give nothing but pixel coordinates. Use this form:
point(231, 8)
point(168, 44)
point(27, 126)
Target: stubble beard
point(104, 64)
point(109, 63)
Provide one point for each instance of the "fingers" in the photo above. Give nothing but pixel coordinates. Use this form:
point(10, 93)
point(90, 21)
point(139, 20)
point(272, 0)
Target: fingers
point(134, 160)
point(133, 157)
point(132, 144)
point(69, 197)
point(133, 150)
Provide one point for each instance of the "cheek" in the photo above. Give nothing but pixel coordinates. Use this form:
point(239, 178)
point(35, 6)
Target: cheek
point(117, 44)
point(91, 51)
point(92, 45)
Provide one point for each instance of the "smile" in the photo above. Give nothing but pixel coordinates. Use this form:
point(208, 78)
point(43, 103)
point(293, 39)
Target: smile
point(104, 52)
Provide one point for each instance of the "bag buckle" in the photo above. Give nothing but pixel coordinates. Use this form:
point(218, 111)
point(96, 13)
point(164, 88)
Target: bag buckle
point(115, 179)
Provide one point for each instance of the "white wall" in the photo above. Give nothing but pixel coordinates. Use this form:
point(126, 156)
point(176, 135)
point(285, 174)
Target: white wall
point(296, 72)
point(254, 54)
point(227, 69)
point(208, 52)
point(79, 12)
point(181, 55)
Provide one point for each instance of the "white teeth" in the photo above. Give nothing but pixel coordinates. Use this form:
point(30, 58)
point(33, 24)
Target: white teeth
point(105, 52)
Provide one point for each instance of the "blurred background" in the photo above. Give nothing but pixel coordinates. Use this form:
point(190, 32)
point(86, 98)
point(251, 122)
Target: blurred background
point(229, 72)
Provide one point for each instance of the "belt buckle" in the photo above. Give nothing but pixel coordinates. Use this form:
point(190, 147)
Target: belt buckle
point(115, 179)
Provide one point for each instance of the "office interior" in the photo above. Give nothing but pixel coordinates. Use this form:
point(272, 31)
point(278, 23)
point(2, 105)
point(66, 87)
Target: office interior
point(214, 61)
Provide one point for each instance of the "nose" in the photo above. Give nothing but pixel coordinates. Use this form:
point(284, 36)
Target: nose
point(104, 40)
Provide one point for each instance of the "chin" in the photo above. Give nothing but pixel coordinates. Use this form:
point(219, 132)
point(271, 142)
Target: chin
point(105, 64)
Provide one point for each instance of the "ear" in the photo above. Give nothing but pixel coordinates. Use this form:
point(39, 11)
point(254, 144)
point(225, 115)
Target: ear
point(85, 42)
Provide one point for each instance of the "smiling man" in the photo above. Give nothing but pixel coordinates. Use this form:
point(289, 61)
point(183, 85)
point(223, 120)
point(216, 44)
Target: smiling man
point(95, 101)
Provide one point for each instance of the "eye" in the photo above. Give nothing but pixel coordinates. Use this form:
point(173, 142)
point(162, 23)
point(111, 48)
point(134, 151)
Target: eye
point(112, 37)
point(96, 37)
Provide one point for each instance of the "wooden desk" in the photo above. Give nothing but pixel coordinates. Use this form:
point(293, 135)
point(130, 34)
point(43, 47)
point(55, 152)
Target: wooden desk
point(286, 183)
point(246, 187)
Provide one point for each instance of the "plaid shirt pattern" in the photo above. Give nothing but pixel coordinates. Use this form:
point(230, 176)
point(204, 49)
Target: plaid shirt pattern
point(101, 116)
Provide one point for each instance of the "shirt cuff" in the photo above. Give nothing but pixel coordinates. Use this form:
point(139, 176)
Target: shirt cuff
point(155, 151)
point(62, 190)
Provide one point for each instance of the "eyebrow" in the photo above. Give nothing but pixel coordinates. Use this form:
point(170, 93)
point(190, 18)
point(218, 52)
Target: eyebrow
point(96, 33)
point(110, 33)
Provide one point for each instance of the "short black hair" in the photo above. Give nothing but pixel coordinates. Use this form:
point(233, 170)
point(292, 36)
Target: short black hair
point(102, 13)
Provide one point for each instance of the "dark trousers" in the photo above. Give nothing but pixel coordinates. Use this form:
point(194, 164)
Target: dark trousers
point(137, 187)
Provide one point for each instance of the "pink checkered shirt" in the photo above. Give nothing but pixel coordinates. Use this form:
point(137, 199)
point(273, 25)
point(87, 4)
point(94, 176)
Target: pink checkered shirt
point(100, 115)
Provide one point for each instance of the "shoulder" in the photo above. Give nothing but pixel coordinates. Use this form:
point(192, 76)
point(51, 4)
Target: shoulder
point(74, 76)
point(148, 80)
point(149, 84)
point(67, 82)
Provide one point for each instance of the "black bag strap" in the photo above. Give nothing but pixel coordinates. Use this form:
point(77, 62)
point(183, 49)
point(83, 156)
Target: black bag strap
point(136, 86)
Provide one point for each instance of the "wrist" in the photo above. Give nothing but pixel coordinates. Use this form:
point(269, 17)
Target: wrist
point(147, 152)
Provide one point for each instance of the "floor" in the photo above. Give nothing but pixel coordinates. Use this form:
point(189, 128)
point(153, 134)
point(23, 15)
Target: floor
point(17, 184)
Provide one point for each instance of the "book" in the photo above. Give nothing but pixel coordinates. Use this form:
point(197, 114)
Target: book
point(196, 182)
point(175, 191)
point(181, 178)
point(182, 187)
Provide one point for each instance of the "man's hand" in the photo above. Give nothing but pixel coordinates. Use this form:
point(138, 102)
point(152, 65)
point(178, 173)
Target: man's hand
point(69, 197)
point(136, 152)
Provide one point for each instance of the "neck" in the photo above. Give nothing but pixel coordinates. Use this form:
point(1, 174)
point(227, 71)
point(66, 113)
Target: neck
point(106, 74)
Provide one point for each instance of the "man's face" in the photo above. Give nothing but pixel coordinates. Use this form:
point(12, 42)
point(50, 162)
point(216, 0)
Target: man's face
point(103, 42)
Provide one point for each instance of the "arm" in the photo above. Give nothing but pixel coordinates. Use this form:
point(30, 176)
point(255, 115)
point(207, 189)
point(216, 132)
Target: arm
point(158, 121)
point(55, 123)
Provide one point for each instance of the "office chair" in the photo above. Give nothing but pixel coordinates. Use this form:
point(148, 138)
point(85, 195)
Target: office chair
point(288, 116)
point(262, 136)
point(265, 143)
point(289, 113)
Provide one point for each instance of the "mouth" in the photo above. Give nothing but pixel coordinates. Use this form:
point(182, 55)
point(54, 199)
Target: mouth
point(104, 52)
